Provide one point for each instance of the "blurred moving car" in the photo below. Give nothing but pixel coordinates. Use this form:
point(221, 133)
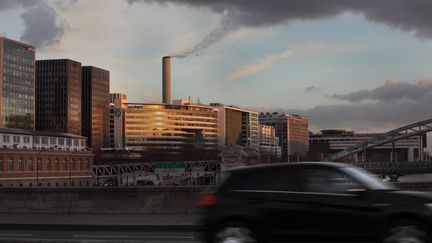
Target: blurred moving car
point(313, 202)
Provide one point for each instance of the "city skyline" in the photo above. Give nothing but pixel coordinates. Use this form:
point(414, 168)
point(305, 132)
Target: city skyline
point(344, 67)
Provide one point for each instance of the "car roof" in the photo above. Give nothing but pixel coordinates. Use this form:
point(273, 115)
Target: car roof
point(286, 165)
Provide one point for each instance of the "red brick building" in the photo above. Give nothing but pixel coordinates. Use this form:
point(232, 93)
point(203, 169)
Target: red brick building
point(44, 159)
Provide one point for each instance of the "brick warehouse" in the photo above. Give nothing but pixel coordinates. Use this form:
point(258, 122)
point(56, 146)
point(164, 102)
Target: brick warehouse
point(44, 159)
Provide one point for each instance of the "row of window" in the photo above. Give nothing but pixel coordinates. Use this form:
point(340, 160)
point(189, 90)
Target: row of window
point(48, 166)
point(47, 184)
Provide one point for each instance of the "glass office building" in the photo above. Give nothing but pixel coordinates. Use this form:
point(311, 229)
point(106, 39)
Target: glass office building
point(17, 84)
point(171, 127)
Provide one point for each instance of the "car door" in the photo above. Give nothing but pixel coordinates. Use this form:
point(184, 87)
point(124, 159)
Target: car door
point(272, 197)
point(338, 205)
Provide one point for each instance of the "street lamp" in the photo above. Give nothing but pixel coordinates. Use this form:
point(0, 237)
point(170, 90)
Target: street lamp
point(37, 166)
point(70, 164)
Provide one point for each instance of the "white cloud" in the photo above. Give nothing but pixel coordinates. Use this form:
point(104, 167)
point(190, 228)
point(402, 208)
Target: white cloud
point(308, 49)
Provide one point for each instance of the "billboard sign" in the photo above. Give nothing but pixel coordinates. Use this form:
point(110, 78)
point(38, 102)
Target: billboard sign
point(169, 169)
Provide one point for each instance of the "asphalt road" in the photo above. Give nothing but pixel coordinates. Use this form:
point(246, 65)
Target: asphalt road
point(54, 236)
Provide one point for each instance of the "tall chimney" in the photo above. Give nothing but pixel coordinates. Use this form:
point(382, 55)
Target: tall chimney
point(166, 80)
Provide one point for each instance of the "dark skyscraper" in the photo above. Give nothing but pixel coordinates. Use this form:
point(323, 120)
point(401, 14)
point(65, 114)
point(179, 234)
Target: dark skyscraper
point(95, 106)
point(17, 84)
point(58, 96)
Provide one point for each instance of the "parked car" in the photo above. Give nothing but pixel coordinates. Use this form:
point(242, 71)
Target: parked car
point(313, 202)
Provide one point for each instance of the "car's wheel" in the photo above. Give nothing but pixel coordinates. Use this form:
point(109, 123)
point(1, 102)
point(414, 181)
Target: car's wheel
point(234, 232)
point(406, 232)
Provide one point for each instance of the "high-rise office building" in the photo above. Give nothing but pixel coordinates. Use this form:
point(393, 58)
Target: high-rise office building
point(116, 131)
point(95, 106)
point(17, 84)
point(292, 130)
point(58, 96)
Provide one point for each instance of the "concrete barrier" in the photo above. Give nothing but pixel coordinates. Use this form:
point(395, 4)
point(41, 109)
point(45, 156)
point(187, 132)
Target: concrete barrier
point(115, 200)
point(100, 200)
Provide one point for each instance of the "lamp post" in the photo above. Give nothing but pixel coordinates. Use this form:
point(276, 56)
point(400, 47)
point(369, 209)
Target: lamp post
point(37, 166)
point(70, 164)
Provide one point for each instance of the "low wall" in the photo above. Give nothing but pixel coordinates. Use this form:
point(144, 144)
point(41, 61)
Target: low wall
point(115, 200)
point(100, 200)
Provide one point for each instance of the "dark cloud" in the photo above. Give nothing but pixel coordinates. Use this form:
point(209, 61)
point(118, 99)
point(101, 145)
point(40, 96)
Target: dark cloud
point(391, 91)
point(312, 89)
point(414, 16)
point(397, 104)
point(11, 4)
point(42, 26)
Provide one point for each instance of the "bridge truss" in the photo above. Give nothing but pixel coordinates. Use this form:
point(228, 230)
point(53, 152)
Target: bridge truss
point(206, 174)
point(415, 129)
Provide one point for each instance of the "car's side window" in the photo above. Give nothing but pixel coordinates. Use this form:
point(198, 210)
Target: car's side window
point(274, 180)
point(328, 181)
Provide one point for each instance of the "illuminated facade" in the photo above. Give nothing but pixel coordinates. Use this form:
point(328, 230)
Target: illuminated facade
point(269, 142)
point(17, 84)
point(237, 126)
point(292, 130)
point(170, 127)
point(95, 106)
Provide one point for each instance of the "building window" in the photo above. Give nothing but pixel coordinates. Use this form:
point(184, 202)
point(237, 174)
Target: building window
point(56, 165)
point(64, 165)
point(10, 164)
point(16, 139)
point(48, 165)
point(75, 141)
point(61, 141)
point(39, 165)
point(1, 164)
point(79, 165)
point(72, 164)
point(30, 164)
point(87, 166)
point(27, 140)
point(36, 139)
point(20, 164)
point(68, 142)
point(52, 141)
point(6, 138)
point(44, 140)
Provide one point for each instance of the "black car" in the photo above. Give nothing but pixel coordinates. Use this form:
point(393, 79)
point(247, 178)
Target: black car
point(314, 202)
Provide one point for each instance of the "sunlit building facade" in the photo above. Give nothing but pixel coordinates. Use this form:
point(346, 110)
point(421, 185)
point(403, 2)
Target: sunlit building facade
point(237, 126)
point(292, 130)
point(95, 106)
point(17, 84)
point(170, 127)
point(269, 142)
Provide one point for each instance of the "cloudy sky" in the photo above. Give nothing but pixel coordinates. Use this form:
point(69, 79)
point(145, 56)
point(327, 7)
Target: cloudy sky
point(361, 65)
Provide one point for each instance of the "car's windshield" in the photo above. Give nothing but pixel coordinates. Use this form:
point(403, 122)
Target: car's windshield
point(368, 179)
